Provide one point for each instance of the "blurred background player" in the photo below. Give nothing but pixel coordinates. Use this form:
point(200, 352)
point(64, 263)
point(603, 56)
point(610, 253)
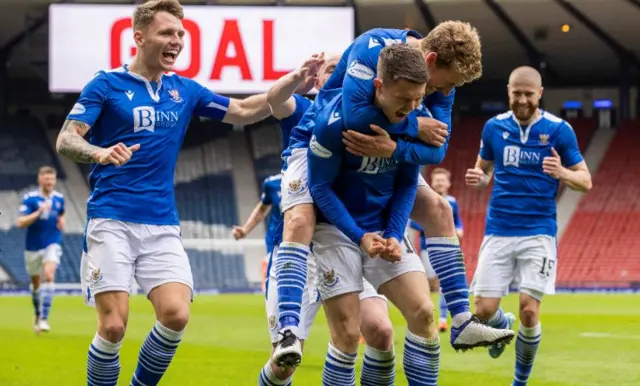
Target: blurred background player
point(42, 214)
point(440, 183)
point(133, 229)
point(531, 151)
point(269, 204)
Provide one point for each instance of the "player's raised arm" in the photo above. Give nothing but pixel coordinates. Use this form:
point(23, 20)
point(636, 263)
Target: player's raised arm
point(280, 96)
point(324, 163)
point(566, 162)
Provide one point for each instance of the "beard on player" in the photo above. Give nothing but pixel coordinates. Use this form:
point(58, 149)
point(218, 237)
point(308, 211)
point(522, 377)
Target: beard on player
point(524, 111)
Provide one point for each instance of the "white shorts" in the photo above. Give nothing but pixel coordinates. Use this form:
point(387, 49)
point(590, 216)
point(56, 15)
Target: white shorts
point(431, 274)
point(529, 262)
point(118, 252)
point(295, 182)
point(310, 302)
point(341, 264)
point(34, 260)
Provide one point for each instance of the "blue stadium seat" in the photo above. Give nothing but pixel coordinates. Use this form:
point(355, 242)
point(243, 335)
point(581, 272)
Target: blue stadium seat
point(210, 200)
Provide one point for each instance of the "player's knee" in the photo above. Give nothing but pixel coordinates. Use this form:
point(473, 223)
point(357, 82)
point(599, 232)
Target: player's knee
point(299, 224)
point(441, 208)
point(175, 317)
point(346, 334)
point(485, 309)
point(378, 335)
point(49, 277)
point(422, 315)
point(529, 312)
point(112, 329)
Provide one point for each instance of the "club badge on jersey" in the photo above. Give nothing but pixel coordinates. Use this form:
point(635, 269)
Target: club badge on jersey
point(121, 106)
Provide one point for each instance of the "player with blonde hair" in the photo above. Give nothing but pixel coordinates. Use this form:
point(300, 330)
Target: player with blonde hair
point(453, 55)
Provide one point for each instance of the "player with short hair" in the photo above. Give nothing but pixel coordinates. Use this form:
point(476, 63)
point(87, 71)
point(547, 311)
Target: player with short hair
point(453, 56)
point(440, 183)
point(364, 205)
point(137, 116)
point(42, 214)
point(288, 106)
point(531, 151)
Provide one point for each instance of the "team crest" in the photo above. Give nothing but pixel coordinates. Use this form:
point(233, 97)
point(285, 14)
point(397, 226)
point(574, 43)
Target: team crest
point(330, 278)
point(175, 96)
point(544, 139)
point(96, 275)
point(272, 322)
point(295, 187)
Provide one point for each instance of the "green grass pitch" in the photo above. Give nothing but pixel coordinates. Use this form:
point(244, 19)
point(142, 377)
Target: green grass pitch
point(587, 340)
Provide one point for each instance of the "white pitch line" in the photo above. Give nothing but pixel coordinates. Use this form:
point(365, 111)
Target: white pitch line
point(608, 335)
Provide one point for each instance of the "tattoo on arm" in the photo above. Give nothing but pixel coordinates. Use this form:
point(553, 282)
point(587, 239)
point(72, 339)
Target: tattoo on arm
point(71, 144)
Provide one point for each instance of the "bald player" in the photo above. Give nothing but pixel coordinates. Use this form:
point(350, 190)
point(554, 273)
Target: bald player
point(530, 151)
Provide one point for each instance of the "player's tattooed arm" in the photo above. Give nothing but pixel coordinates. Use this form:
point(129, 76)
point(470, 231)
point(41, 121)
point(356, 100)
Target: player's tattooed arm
point(71, 143)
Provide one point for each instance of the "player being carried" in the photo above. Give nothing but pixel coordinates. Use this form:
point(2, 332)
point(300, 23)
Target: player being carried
point(364, 205)
point(138, 116)
point(286, 101)
point(288, 106)
point(440, 183)
point(531, 151)
point(452, 53)
point(42, 213)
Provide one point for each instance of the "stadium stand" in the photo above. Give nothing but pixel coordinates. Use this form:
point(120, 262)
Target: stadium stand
point(599, 246)
point(266, 147)
point(205, 197)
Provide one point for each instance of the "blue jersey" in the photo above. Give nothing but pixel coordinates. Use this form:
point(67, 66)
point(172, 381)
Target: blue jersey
point(121, 106)
point(302, 132)
point(271, 196)
point(457, 222)
point(523, 201)
point(357, 194)
point(44, 231)
point(287, 124)
point(355, 73)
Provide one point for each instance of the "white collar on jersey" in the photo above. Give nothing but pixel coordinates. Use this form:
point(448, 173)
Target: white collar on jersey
point(524, 134)
point(154, 95)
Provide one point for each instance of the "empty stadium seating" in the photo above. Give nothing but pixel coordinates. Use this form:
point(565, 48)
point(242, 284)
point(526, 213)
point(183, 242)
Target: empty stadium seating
point(266, 147)
point(600, 245)
point(204, 192)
